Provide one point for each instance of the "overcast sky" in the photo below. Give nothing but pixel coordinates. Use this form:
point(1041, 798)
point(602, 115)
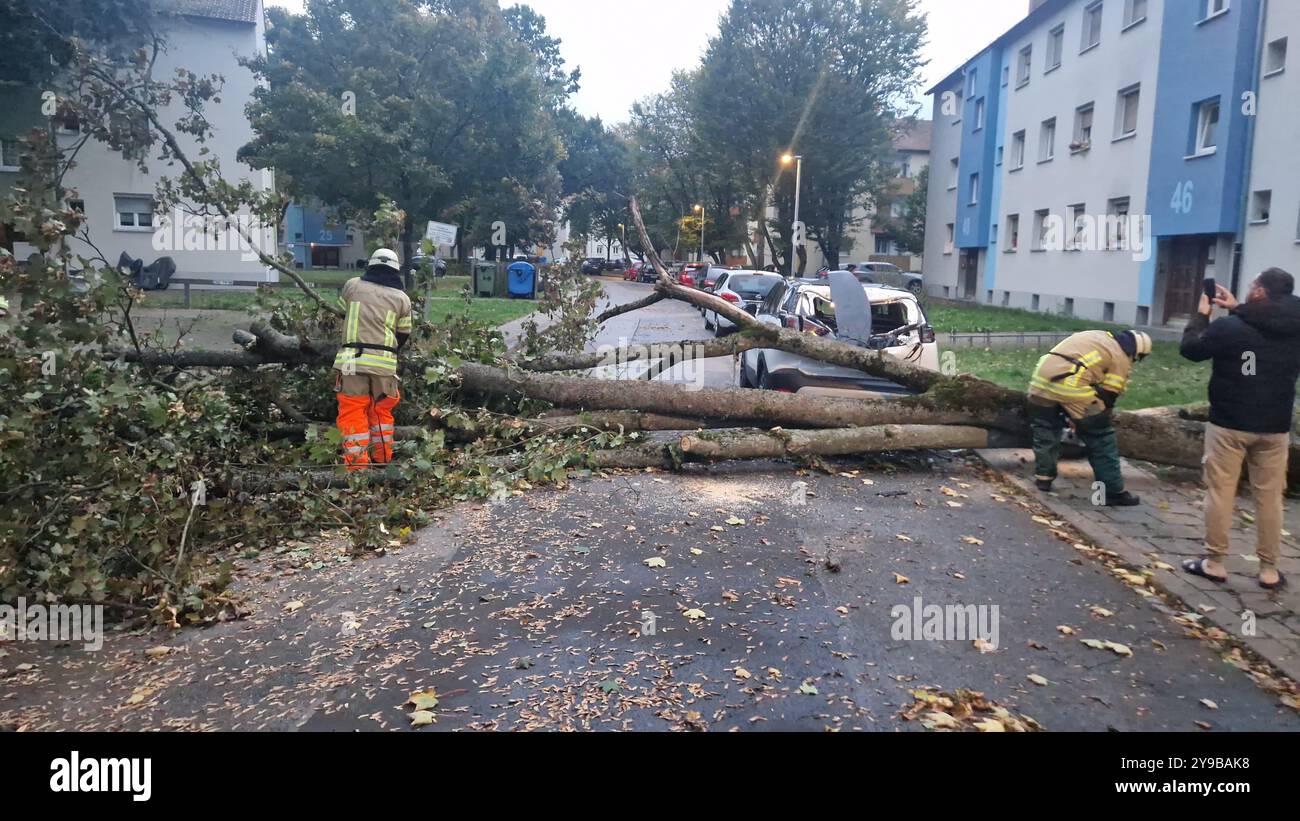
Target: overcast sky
point(628, 49)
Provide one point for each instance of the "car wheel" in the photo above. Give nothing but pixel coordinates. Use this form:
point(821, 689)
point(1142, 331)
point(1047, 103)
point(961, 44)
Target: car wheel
point(915, 287)
point(743, 379)
point(709, 326)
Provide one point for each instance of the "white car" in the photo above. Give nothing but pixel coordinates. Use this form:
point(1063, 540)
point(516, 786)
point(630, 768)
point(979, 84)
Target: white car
point(897, 325)
point(744, 289)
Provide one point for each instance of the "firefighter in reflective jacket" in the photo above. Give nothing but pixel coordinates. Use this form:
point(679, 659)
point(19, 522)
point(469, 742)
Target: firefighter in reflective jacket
point(377, 322)
point(1083, 378)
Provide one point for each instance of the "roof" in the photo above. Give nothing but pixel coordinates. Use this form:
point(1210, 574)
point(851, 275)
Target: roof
point(1036, 15)
point(238, 11)
point(915, 136)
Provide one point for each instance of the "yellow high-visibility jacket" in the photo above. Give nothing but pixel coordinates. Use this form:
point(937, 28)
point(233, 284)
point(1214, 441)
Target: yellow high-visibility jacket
point(1081, 364)
point(375, 315)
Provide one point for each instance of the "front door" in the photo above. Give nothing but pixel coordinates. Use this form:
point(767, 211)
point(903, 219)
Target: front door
point(968, 272)
point(1184, 274)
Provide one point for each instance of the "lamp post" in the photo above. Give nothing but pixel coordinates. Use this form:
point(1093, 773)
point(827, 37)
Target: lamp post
point(623, 229)
point(795, 233)
point(699, 209)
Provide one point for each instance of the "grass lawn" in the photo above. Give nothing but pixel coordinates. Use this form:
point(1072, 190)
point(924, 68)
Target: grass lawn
point(447, 298)
point(1164, 378)
point(946, 317)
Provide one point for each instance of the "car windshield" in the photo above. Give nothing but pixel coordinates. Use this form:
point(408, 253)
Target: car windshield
point(752, 285)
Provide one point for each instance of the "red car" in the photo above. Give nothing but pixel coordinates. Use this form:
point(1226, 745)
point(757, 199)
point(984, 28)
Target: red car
point(692, 273)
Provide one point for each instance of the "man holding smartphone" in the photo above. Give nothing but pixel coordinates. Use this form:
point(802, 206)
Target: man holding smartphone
point(1256, 353)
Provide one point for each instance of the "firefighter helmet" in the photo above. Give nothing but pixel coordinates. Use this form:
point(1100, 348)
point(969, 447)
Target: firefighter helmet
point(385, 258)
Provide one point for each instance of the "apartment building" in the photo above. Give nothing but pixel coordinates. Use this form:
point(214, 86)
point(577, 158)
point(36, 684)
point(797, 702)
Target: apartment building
point(1102, 157)
point(206, 37)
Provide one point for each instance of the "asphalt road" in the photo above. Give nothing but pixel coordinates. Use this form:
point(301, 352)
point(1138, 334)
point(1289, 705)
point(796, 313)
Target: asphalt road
point(527, 614)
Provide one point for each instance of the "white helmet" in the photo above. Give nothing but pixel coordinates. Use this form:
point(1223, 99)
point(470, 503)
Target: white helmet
point(386, 258)
point(1143, 343)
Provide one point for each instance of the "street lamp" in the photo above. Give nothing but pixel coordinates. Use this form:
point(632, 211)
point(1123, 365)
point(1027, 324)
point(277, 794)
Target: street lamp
point(795, 233)
point(623, 228)
point(699, 209)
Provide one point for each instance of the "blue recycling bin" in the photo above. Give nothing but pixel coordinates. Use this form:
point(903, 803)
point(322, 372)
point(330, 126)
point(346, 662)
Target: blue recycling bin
point(521, 280)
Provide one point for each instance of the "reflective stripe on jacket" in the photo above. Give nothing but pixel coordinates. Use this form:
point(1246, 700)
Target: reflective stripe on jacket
point(374, 316)
point(1081, 364)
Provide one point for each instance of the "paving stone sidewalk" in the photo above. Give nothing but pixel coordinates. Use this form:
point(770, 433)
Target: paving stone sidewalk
point(1168, 528)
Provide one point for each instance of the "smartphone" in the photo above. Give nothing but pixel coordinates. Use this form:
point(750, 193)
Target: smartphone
point(1211, 288)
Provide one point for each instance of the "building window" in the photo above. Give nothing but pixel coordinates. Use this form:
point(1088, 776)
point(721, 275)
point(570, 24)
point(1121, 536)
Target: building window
point(974, 189)
point(1055, 47)
point(1117, 224)
point(1207, 127)
point(971, 81)
point(1047, 141)
point(1036, 301)
point(10, 153)
point(979, 113)
point(1006, 75)
point(1069, 306)
point(998, 162)
point(1091, 27)
point(1126, 112)
point(134, 212)
point(1041, 227)
point(1013, 232)
point(1006, 299)
point(882, 246)
point(1108, 312)
point(1018, 150)
point(1213, 8)
point(993, 234)
point(1024, 65)
point(953, 175)
point(951, 241)
point(77, 205)
point(1275, 58)
point(1082, 128)
point(1079, 227)
point(1135, 11)
point(1261, 203)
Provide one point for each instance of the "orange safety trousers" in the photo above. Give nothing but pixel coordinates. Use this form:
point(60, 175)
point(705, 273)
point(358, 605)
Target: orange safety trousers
point(366, 423)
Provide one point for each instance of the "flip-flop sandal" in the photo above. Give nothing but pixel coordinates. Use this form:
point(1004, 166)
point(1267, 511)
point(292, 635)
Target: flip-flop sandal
point(1197, 568)
point(1281, 582)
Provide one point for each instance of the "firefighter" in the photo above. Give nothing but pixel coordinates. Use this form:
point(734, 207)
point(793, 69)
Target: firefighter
point(377, 324)
point(1083, 378)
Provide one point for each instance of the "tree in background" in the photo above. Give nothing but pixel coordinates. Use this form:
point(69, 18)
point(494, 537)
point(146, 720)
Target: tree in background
point(445, 106)
point(822, 78)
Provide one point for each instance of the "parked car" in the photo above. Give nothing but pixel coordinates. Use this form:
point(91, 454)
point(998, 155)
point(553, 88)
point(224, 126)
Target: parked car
point(745, 290)
point(437, 264)
point(640, 272)
point(898, 326)
point(593, 266)
point(691, 274)
point(887, 273)
point(616, 264)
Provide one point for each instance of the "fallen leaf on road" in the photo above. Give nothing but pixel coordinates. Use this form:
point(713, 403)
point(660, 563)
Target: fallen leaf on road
point(157, 652)
point(1037, 679)
point(1068, 631)
point(808, 689)
point(843, 611)
point(972, 540)
point(1209, 704)
point(424, 700)
point(742, 673)
point(1101, 612)
point(422, 718)
point(899, 578)
point(984, 646)
point(695, 551)
point(694, 613)
point(735, 522)
point(655, 561)
point(291, 606)
point(902, 538)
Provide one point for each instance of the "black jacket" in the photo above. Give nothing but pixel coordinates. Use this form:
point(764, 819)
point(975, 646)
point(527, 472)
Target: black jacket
point(1256, 353)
